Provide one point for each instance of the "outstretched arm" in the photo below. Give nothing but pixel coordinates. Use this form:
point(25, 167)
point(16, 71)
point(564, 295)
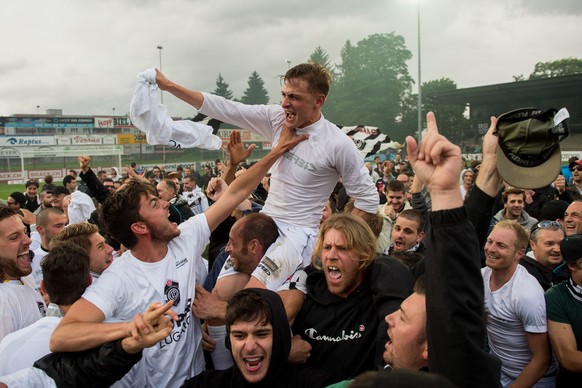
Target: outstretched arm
point(192, 97)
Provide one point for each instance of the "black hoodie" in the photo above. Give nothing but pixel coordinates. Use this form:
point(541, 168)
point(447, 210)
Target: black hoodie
point(281, 373)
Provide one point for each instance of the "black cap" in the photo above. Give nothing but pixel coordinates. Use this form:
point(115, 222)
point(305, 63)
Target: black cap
point(31, 182)
point(571, 248)
point(61, 190)
point(19, 197)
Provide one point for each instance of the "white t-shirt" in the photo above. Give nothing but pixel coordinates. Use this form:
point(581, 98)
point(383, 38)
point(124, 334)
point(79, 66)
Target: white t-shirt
point(28, 377)
point(130, 285)
point(20, 349)
point(20, 305)
point(39, 254)
point(304, 177)
point(516, 308)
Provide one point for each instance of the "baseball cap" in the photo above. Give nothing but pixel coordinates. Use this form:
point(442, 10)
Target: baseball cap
point(31, 182)
point(528, 151)
point(571, 248)
point(575, 163)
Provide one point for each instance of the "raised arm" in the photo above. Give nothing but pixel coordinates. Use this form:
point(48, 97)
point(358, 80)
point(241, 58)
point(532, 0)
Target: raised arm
point(454, 286)
point(192, 97)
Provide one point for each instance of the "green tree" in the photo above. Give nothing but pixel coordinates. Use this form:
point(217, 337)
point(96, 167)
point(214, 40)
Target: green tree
point(255, 92)
point(565, 66)
point(319, 55)
point(452, 121)
point(222, 88)
point(372, 82)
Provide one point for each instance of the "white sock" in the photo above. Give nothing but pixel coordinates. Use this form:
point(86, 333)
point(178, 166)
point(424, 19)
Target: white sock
point(221, 357)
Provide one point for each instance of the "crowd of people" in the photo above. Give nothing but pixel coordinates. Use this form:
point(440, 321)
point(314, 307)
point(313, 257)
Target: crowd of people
point(308, 268)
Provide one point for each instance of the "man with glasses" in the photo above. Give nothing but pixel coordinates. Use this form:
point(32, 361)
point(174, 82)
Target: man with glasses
point(543, 260)
point(564, 309)
point(576, 168)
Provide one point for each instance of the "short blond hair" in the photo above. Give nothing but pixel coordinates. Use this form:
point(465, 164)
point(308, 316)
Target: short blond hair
point(522, 236)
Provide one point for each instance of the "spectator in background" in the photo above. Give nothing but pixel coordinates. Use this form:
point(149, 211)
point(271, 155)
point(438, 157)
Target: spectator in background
point(59, 193)
point(513, 209)
point(197, 201)
point(576, 181)
point(101, 174)
point(157, 174)
point(48, 183)
point(179, 209)
point(109, 184)
point(467, 180)
point(81, 205)
point(573, 218)
point(32, 199)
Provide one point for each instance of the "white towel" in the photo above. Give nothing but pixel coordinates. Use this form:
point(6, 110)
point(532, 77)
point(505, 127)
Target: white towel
point(152, 118)
point(80, 208)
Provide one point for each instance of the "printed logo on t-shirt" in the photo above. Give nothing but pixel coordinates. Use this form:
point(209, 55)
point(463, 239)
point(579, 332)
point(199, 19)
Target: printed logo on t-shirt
point(41, 308)
point(268, 266)
point(172, 291)
point(180, 263)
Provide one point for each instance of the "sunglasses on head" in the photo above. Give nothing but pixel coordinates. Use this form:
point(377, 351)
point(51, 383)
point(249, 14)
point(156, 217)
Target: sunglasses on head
point(546, 225)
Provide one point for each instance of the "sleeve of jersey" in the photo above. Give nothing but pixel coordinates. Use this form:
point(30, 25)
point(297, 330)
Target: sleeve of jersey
point(532, 310)
point(356, 179)
point(261, 119)
point(555, 307)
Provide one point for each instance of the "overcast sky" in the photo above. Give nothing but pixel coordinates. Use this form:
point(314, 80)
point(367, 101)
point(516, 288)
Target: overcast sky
point(82, 56)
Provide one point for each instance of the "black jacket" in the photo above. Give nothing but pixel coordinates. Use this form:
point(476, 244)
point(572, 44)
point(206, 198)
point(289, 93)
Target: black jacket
point(454, 302)
point(347, 335)
point(545, 276)
point(99, 367)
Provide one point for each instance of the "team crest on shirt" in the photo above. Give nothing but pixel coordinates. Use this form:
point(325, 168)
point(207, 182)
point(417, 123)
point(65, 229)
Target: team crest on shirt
point(172, 291)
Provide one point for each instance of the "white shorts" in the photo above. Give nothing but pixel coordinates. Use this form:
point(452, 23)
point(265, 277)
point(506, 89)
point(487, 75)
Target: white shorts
point(290, 252)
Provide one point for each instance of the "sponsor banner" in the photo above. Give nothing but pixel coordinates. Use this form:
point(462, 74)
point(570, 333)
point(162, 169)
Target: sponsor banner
point(27, 140)
point(245, 135)
point(9, 153)
point(122, 122)
point(40, 174)
point(132, 138)
point(104, 122)
point(86, 139)
point(16, 175)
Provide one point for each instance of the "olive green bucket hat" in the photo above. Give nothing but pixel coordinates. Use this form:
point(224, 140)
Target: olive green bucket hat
point(528, 152)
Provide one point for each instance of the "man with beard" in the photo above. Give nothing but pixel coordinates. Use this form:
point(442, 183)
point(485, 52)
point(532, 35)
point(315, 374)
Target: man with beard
point(407, 233)
point(348, 298)
point(395, 204)
point(513, 209)
point(20, 304)
point(163, 263)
